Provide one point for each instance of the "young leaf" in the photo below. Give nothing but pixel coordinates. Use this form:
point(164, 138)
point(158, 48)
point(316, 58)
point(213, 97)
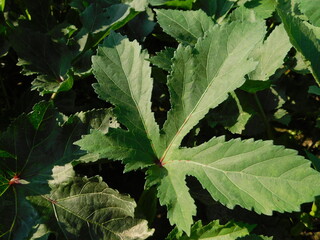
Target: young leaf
point(51, 61)
point(301, 37)
point(184, 26)
point(89, 209)
point(213, 231)
point(163, 59)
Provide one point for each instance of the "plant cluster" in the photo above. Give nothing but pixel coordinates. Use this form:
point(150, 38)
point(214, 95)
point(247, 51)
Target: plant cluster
point(215, 102)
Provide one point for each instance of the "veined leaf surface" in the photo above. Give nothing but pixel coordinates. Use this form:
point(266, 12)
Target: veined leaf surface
point(255, 175)
point(301, 37)
point(36, 154)
point(89, 209)
point(185, 26)
point(202, 80)
point(124, 79)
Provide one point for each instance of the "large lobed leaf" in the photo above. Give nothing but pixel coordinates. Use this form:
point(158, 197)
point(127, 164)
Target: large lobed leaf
point(253, 174)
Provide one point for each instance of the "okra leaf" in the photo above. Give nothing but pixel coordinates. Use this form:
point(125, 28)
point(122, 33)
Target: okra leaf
point(36, 154)
point(301, 37)
point(124, 79)
point(163, 59)
point(185, 26)
point(51, 61)
point(270, 54)
point(310, 8)
point(213, 231)
point(88, 208)
point(202, 80)
point(253, 174)
point(100, 18)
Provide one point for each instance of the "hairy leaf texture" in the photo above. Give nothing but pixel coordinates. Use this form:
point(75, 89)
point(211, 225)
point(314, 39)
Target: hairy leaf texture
point(253, 174)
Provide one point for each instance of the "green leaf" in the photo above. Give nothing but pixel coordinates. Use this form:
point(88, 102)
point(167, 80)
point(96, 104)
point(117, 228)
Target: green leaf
point(89, 209)
point(163, 59)
point(123, 75)
point(217, 9)
point(262, 9)
point(270, 54)
point(184, 26)
point(255, 237)
point(98, 20)
point(194, 80)
point(51, 61)
point(314, 90)
point(185, 4)
point(310, 8)
point(301, 37)
point(36, 154)
point(233, 114)
point(2, 4)
point(251, 174)
point(213, 231)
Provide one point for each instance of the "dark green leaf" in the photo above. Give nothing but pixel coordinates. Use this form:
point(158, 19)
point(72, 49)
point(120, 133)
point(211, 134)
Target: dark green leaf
point(36, 154)
point(88, 209)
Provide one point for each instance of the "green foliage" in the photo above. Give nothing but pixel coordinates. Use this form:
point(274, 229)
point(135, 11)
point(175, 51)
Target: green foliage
point(301, 36)
point(246, 173)
point(198, 99)
point(213, 231)
point(40, 193)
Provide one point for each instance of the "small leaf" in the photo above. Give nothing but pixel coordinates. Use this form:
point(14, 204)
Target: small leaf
point(217, 9)
point(51, 61)
point(163, 59)
point(213, 231)
point(2, 4)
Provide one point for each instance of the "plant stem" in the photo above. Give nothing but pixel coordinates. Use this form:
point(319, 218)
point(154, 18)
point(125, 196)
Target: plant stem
point(264, 116)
